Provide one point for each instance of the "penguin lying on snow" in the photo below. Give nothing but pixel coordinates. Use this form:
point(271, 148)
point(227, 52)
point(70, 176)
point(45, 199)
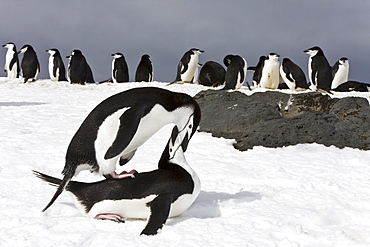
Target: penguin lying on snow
point(116, 127)
point(155, 195)
point(350, 86)
point(212, 74)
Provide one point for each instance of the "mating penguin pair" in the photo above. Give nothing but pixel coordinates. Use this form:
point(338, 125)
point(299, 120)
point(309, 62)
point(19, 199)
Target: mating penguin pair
point(156, 195)
point(116, 127)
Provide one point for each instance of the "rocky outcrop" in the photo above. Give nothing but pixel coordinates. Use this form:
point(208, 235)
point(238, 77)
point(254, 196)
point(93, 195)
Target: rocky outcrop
point(275, 119)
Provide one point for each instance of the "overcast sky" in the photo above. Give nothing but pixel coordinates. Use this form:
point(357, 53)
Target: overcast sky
point(167, 29)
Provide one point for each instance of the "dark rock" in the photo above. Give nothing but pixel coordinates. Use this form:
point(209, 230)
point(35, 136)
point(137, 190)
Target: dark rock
point(274, 119)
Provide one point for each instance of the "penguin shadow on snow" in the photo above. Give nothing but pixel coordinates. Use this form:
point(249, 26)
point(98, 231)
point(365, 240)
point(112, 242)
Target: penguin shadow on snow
point(207, 205)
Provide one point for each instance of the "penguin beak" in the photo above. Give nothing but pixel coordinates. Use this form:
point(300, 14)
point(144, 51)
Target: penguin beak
point(3, 45)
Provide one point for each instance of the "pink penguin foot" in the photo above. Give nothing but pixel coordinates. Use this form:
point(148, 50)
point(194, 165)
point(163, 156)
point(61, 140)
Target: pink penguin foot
point(124, 174)
point(108, 216)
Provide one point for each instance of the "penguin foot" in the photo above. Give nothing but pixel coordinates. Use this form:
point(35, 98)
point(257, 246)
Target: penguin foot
point(108, 216)
point(123, 174)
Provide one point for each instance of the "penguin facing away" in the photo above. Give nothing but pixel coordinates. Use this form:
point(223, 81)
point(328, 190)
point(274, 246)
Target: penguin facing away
point(293, 75)
point(117, 126)
point(156, 195)
point(57, 70)
point(235, 73)
point(256, 78)
point(144, 71)
point(188, 65)
point(11, 61)
point(212, 74)
point(77, 68)
point(340, 72)
point(30, 66)
point(270, 72)
point(319, 69)
point(119, 68)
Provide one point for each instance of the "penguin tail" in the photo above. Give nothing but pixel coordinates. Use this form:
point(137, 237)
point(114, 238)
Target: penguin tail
point(55, 182)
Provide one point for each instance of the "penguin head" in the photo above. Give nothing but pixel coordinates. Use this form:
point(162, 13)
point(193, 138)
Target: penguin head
point(274, 56)
point(227, 59)
point(343, 61)
point(76, 53)
point(9, 45)
point(52, 51)
point(196, 51)
point(145, 57)
point(25, 48)
point(313, 51)
point(117, 55)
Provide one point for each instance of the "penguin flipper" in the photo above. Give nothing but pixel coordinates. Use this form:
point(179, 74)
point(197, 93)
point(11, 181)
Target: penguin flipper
point(159, 211)
point(129, 123)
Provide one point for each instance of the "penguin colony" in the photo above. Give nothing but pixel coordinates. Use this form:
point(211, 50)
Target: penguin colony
point(119, 125)
point(268, 73)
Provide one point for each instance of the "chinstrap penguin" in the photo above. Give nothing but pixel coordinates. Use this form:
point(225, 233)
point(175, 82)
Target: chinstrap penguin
point(57, 70)
point(319, 69)
point(188, 65)
point(270, 72)
point(11, 61)
point(236, 72)
point(293, 75)
point(77, 67)
point(30, 65)
point(256, 78)
point(340, 72)
point(117, 126)
point(119, 68)
point(144, 71)
point(212, 74)
point(350, 86)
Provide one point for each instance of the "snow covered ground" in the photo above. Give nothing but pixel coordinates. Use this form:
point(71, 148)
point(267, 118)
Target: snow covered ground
point(304, 195)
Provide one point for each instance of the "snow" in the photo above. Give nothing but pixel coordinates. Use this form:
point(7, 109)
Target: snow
point(303, 195)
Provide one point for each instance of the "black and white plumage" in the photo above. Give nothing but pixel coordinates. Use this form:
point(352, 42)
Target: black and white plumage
point(236, 71)
point(256, 78)
point(270, 72)
point(119, 68)
point(155, 195)
point(212, 74)
point(11, 66)
point(188, 65)
point(117, 126)
point(30, 65)
point(78, 68)
point(350, 86)
point(340, 72)
point(144, 71)
point(293, 75)
point(319, 69)
point(57, 70)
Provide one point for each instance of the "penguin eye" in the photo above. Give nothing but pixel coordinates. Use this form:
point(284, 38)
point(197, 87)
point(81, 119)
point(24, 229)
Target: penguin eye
point(170, 150)
point(190, 126)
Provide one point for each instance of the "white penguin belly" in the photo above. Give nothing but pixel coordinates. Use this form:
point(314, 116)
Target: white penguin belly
point(12, 72)
point(192, 67)
point(270, 77)
point(340, 77)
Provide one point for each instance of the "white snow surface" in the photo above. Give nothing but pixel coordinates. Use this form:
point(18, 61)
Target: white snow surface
point(303, 195)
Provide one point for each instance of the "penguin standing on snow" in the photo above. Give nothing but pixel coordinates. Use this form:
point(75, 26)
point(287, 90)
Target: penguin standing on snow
point(116, 127)
point(11, 61)
point(119, 68)
point(212, 74)
point(257, 71)
point(319, 69)
point(270, 74)
point(30, 66)
point(77, 68)
point(235, 73)
point(293, 75)
point(57, 70)
point(165, 192)
point(188, 65)
point(144, 71)
point(340, 72)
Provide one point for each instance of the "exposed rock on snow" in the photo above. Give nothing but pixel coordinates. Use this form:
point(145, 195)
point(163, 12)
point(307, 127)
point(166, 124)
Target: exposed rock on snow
point(274, 119)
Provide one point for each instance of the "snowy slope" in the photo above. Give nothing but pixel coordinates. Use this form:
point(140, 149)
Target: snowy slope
point(304, 195)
